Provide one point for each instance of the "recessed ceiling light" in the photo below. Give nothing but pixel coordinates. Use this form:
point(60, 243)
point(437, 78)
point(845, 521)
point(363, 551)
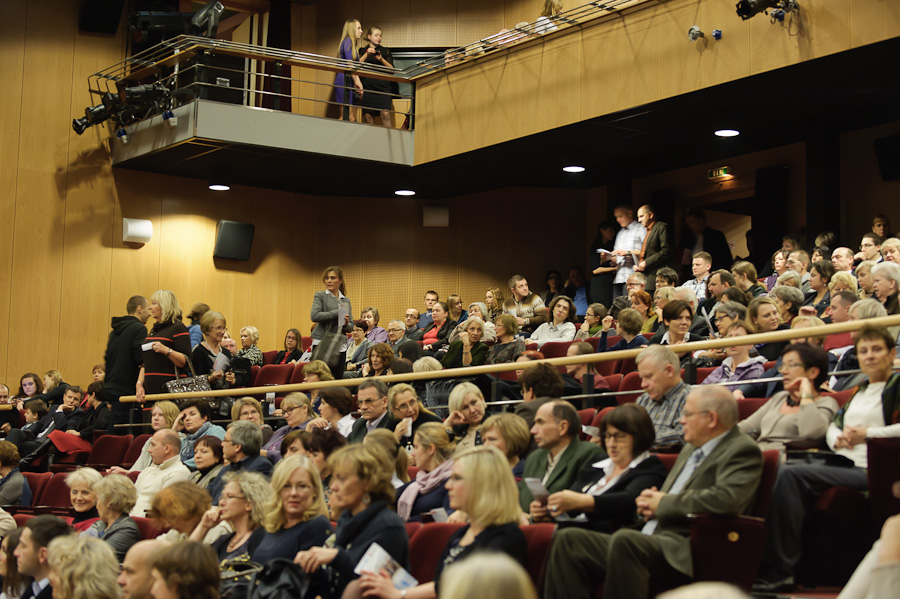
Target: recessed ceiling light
point(219, 187)
point(727, 133)
point(573, 169)
point(405, 192)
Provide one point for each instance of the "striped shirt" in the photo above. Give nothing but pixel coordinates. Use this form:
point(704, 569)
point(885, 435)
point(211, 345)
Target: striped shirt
point(628, 238)
point(666, 414)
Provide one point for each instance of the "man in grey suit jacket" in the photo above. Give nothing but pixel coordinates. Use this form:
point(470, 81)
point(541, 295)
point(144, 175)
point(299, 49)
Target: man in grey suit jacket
point(656, 251)
point(717, 472)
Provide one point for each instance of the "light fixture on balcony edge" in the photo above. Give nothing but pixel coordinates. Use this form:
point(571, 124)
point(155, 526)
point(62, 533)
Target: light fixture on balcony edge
point(219, 186)
point(727, 133)
point(405, 192)
point(573, 169)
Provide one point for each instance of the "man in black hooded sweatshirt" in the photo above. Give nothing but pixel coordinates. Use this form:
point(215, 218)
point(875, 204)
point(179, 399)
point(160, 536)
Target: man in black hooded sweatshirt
point(124, 358)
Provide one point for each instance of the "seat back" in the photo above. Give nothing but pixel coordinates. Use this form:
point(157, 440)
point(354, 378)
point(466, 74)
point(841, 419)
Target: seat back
point(668, 460)
point(630, 382)
point(748, 405)
point(38, 482)
point(627, 366)
point(297, 374)
point(412, 528)
point(21, 518)
point(274, 374)
point(412, 472)
point(56, 492)
point(133, 476)
point(586, 416)
point(531, 346)
point(612, 340)
point(766, 483)
point(614, 381)
point(607, 367)
point(594, 341)
point(884, 469)
point(538, 536)
point(426, 547)
point(269, 357)
point(134, 450)
point(254, 372)
point(109, 450)
point(841, 397)
point(509, 375)
point(599, 416)
point(305, 343)
point(149, 530)
point(556, 349)
point(702, 373)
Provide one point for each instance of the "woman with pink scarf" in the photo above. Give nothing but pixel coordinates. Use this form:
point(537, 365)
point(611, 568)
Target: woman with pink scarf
point(432, 450)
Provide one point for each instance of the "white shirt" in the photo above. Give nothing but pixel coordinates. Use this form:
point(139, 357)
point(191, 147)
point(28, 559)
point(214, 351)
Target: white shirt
point(608, 481)
point(550, 332)
point(154, 479)
point(630, 238)
point(865, 410)
point(345, 424)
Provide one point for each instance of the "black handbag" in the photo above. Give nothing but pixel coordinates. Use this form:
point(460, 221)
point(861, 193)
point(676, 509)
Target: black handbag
point(279, 579)
point(237, 576)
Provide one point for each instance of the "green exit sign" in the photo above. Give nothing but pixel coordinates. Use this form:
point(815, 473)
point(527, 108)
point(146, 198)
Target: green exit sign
point(722, 171)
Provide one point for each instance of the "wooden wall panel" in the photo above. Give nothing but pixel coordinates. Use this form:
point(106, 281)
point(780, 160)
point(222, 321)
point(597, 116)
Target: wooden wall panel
point(825, 28)
point(39, 232)
point(12, 58)
point(600, 69)
point(561, 70)
point(516, 82)
point(771, 45)
point(639, 59)
point(680, 60)
point(873, 20)
point(728, 59)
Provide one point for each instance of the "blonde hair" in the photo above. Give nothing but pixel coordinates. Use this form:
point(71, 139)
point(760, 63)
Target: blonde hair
point(253, 332)
point(433, 434)
point(666, 293)
point(427, 364)
point(384, 439)
point(459, 394)
point(208, 319)
point(753, 312)
point(551, 8)
point(848, 280)
point(295, 399)
point(168, 304)
point(514, 431)
point(492, 574)
point(239, 404)
point(368, 462)
point(493, 498)
point(320, 369)
point(275, 518)
point(87, 477)
point(86, 566)
point(800, 322)
point(349, 32)
point(256, 491)
point(399, 388)
point(170, 411)
point(117, 492)
point(55, 378)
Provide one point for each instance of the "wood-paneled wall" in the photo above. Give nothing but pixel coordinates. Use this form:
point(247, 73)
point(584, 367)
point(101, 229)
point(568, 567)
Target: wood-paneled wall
point(618, 62)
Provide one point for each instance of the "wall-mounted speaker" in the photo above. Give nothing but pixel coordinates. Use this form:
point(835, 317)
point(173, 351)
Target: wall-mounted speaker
point(233, 240)
point(888, 151)
point(100, 16)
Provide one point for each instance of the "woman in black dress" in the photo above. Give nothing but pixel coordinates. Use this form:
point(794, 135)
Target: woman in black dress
point(170, 344)
point(376, 99)
point(205, 356)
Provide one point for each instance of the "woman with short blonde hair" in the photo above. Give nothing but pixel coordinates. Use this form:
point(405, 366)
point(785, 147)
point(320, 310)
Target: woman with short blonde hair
point(433, 452)
point(116, 497)
point(82, 497)
point(512, 438)
point(843, 281)
point(82, 567)
point(467, 411)
point(249, 346)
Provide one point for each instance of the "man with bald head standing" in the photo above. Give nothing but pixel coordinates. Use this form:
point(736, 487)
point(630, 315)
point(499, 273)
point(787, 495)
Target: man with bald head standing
point(656, 251)
point(717, 472)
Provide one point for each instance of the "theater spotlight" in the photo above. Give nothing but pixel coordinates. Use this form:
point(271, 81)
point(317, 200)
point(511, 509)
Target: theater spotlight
point(747, 9)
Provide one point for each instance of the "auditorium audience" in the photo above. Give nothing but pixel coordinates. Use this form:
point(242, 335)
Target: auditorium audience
point(83, 498)
point(468, 349)
point(890, 250)
point(432, 454)
point(249, 349)
point(170, 346)
point(641, 302)
point(593, 322)
point(575, 373)
point(628, 326)
point(561, 326)
point(819, 296)
point(843, 281)
point(864, 278)
point(374, 333)
point(298, 412)
point(320, 445)
point(315, 372)
point(165, 469)
point(798, 261)
point(744, 275)
point(540, 383)
point(480, 310)
point(357, 349)
point(664, 392)
point(30, 385)
point(384, 439)
point(396, 336)
point(242, 506)
point(762, 317)
point(788, 300)
point(885, 283)
point(179, 507)
point(372, 399)
point(335, 409)
point(409, 413)
point(508, 345)
point(779, 267)
point(116, 497)
point(790, 278)
point(380, 358)
point(14, 582)
point(185, 570)
point(82, 567)
point(508, 433)
point(162, 416)
point(54, 388)
point(527, 307)
point(240, 447)
point(493, 299)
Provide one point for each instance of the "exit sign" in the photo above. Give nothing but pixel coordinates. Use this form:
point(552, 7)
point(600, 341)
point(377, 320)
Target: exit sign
point(722, 171)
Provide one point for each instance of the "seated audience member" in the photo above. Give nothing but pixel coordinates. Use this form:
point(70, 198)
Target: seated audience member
point(209, 460)
point(54, 388)
point(292, 352)
point(779, 267)
point(480, 310)
point(494, 300)
point(798, 260)
point(881, 226)
point(661, 297)
point(798, 414)
point(628, 326)
point(885, 283)
point(240, 447)
point(642, 303)
point(890, 250)
point(843, 281)
point(411, 321)
point(294, 517)
point(396, 455)
point(372, 399)
point(561, 326)
point(116, 497)
point(207, 357)
point(738, 365)
point(744, 274)
point(335, 410)
point(78, 434)
point(180, 507)
point(467, 413)
point(63, 417)
point(9, 419)
point(249, 409)
point(736, 294)
point(135, 577)
point(540, 383)
point(528, 308)
point(434, 336)
point(554, 286)
point(603, 496)
point(410, 350)
point(493, 574)
point(193, 423)
point(433, 455)
point(455, 309)
point(242, 506)
point(297, 410)
point(83, 498)
point(32, 556)
point(249, 350)
point(560, 456)
point(375, 333)
point(508, 345)
point(790, 278)
point(863, 274)
point(30, 386)
point(362, 492)
point(717, 472)
point(425, 318)
point(666, 277)
point(575, 372)
point(677, 318)
point(701, 265)
point(357, 350)
point(820, 252)
point(664, 392)
point(468, 349)
point(508, 433)
point(788, 300)
point(593, 322)
point(762, 317)
point(395, 331)
point(315, 372)
point(380, 358)
point(576, 288)
point(295, 443)
point(320, 445)
point(37, 421)
point(873, 411)
point(14, 582)
point(185, 570)
point(14, 489)
point(719, 282)
point(842, 260)
point(481, 485)
point(82, 567)
point(162, 416)
point(723, 316)
point(409, 413)
point(166, 469)
point(862, 309)
point(819, 296)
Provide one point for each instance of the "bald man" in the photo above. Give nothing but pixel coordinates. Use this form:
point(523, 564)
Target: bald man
point(167, 468)
point(135, 578)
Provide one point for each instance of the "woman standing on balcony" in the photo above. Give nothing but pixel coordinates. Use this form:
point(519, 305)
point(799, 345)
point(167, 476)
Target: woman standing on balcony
point(377, 102)
point(347, 51)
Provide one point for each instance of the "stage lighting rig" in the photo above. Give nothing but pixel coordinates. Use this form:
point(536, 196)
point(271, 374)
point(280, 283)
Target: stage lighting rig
point(747, 9)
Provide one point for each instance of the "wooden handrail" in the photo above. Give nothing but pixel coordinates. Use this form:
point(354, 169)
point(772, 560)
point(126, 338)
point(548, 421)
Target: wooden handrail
point(774, 336)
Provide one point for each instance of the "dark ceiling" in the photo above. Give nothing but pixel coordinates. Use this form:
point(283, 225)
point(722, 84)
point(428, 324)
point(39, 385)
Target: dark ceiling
point(850, 90)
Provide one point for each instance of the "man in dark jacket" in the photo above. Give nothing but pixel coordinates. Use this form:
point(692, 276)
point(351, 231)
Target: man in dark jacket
point(124, 358)
point(656, 251)
point(241, 445)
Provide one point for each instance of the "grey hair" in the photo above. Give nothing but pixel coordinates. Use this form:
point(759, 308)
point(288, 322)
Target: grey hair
point(481, 306)
point(718, 399)
point(460, 392)
point(661, 355)
point(399, 322)
point(247, 435)
point(427, 364)
point(786, 293)
point(473, 320)
point(790, 275)
point(687, 294)
point(889, 270)
point(868, 308)
point(733, 310)
point(256, 491)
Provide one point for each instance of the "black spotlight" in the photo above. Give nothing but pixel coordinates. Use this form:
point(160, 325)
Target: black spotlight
point(747, 9)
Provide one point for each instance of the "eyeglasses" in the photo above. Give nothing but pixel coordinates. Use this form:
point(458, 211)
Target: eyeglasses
point(367, 402)
point(230, 497)
point(615, 436)
point(226, 440)
point(688, 414)
point(786, 365)
point(632, 284)
point(287, 411)
point(863, 246)
point(395, 330)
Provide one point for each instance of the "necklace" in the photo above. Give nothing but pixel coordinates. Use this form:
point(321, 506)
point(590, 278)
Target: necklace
point(238, 541)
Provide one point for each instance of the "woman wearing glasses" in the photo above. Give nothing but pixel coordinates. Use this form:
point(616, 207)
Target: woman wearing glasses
point(298, 411)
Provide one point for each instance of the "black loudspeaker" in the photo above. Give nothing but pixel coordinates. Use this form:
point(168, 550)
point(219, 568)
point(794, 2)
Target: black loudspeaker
point(100, 16)
point(215, 77)
point(233, 240)
point(888, 151)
